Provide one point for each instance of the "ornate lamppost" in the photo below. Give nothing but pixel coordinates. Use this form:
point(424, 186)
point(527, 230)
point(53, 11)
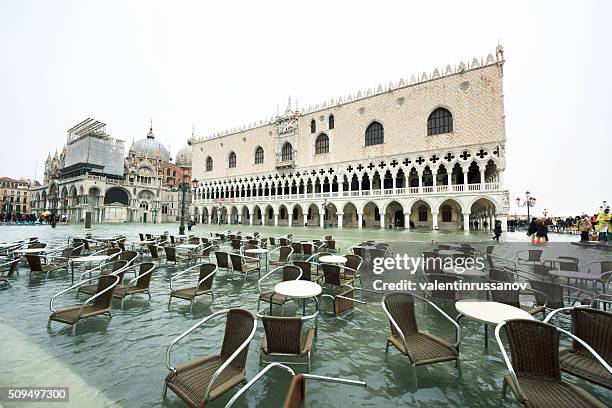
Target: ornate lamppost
point(528, 202)
point(184, 188)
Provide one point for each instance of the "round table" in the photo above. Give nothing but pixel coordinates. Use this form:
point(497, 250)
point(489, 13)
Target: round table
point(86, 259)
point(489, 313)
point(26, 251)
point(259, 252)
point(298, 289)
point(333, 259)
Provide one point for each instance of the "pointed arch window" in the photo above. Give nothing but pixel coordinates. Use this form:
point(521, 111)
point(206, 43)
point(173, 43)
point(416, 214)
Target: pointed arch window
point(313, 126)
point(374, 134)
point(287, 152)
point(232, 160)
point(259, 155)
point(440, 121)
point(209, 163)
point(322, 144)
point(331, 122)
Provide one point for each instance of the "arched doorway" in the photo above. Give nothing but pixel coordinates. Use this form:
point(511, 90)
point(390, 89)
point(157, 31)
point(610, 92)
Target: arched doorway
point(350, 218)
point(420, 215)
point(371, 215)
point(482, 214)
point(394, 215)
point(450, 215)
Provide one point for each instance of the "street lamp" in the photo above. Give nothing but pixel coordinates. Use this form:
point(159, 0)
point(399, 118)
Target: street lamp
point(545, 213)
point(184, 188)
point(529, 202)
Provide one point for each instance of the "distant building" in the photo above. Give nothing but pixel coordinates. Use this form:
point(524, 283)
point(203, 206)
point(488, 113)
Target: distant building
point(93, 174)
point(15, 195)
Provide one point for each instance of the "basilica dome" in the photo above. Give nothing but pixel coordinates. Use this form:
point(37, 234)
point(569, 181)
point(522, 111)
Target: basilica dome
point(183, 156)
point(150, 148)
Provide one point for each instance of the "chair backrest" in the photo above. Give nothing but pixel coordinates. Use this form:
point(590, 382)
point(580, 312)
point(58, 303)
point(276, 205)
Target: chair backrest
point(221, 258)
point(283, 334)
point(331, 274)
point(149, 236)
point(34, 263)
point(236, 243)
point(534, 349)
point(77, 248)
point(291, 272)
point(170, 253)
point(144, 278)
point(104, 282)
point(296, 394)
point(509, 297)
point(272, 241)
point(432, 262)
point(205, 270)
point(236, 262)
point(253, 242)
point(342, 305)
point(297, 247)
point(534, 255)
point(283, 241)
point(400, 306)
point(353, 261)
point(306, 268)
point(207, 250)
point(66, 252)
point(606, 266)
point(113, 251)
point(12, 268)
point(153, 251)
point(330, 244)
point(141, 236)
point(284, 253)
point(489, 250)
point(594, 326)
point(129, 256)
point(328, 237)
point(238, 327)
point(376, 253)
point(447, 281)
point(501, 275)
point(552, 290)
point(358, 251)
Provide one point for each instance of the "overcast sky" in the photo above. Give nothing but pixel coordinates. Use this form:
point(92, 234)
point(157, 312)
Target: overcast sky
point(223, 64)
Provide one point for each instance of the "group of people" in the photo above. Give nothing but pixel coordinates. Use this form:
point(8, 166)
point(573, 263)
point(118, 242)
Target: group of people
point(598, 223)
point(17, 218)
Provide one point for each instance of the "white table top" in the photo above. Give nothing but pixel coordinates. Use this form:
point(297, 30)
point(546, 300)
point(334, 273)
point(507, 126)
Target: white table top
point(334, 259)
point(187, 246)
point(257, 251)
point(475, 272)
point(299, 289)
point(91, 258)
point(490, 312)
point(30, 251)
point(180, 236)
point(450, 252)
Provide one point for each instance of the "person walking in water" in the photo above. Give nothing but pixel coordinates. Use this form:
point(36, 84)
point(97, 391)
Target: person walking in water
point(584, 226)
point(497, 230)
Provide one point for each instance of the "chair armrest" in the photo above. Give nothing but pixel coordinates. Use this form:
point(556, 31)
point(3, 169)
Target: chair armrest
point(255, 379)
point(265, 276)
point(454, 323)
point(181, 273)
point(94, 297)
point(206, 277)
point(76, 285)
point(520, 394)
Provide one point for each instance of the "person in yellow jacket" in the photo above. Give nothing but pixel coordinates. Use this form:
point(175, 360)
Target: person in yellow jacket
point(603, 224)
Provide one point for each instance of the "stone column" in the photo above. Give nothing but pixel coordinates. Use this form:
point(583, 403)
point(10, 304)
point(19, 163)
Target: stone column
point(382, 221)
point(290, 216)
point(251, 215)
point(322, 220)
point(406, 220)
point(466, 221)
point(420, 181)
point(500, 179)
point(239, 218)
point(434, 216)
point(276, 219)
point(359, 220)
point(503, 218)
point(448, 179)
point(340, 219)
point(304, 218)
point(482, 179)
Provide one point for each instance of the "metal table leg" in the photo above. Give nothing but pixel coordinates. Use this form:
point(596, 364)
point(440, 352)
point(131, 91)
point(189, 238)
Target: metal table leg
point(486, 336)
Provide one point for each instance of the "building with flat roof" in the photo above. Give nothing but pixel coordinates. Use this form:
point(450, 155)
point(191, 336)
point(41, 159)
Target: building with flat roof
point(15, 195)
point(427, 152)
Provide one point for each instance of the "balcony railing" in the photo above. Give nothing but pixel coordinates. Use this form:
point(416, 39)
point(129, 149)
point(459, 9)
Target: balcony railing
point(401, 191)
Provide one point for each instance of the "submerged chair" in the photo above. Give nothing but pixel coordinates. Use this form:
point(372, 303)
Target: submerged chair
point(222, 260)
point(342, 302)
point(338, 275)
point(154, 252)
point(38, 265)
point(534, 257)
point(117, 268)
point(594, 327)
point(284, 253)
point(98, 304)
point(290, 272)
point(553, 294)
point(202, 287)
point(239, 264)
point(286, 337)
point(171, 256)
point(199, 381)
point(306, 268)
point(420, 348)
point(296, 393)
point(353, 262)
point(535, 374)
point(129, 256)
point(7, 271)
point(140, 284)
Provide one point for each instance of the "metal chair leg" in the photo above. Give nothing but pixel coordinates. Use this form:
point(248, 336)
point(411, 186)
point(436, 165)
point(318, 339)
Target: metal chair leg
point(74, 329)
point(191, 306)
point(165, 390)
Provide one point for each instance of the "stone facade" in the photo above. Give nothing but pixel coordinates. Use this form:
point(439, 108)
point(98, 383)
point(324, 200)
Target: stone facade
point(417, 174)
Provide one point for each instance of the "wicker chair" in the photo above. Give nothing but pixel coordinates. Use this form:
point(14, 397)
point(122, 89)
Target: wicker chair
point(203, 286)
point(285, 336)
point(240, 265)
point(284, 254)
point(117, 268)
point(534, 257)
point(354, 262)
point(290, 272)
point(140, 284)
point(439, 294)
point(420, 348)
point(512, 297)
point(594, 327)
point(306, 268)
point(205, 254)
point(236, 244)
point(553, 294)
point(337, 275)
point(222, 259)
point(297, 248)
point(154, 252)
point(296, 393)
point(37, 264)
point(171, 256)
point(129, 256)
point(62, 259)
point(98, 304)
point(307, 249)
point(535, 374)
point(199, 381)
point(7, 271)
point(343, 302)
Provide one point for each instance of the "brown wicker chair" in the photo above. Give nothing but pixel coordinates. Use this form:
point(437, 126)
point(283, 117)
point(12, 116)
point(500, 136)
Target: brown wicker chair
point(534, 257)
point(7, 271)
point(206, 378)
point(207, 273)
point(338, 275)
point(342, 302)
point(172, 256)
point(535, 374)
point(553, 294)
point(37, 265)
point(154, 252)
point(354, 262)
point(284, 254)
point(306, 268)
point(140, 284)
point(512, 297)
point(110, 268)
point(296, 393)
point(240, 265)
point(62, 259)
point(290, 272)
point(420, 348)
point(439, 294)
point(286, 337)
point(129, 256)
point(222, 260)
point(98, 304)
point(205, 254)
point(594, 327)
point(297, 248)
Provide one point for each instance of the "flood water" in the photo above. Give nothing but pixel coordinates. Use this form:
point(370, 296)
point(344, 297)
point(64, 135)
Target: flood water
point(120, 361)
